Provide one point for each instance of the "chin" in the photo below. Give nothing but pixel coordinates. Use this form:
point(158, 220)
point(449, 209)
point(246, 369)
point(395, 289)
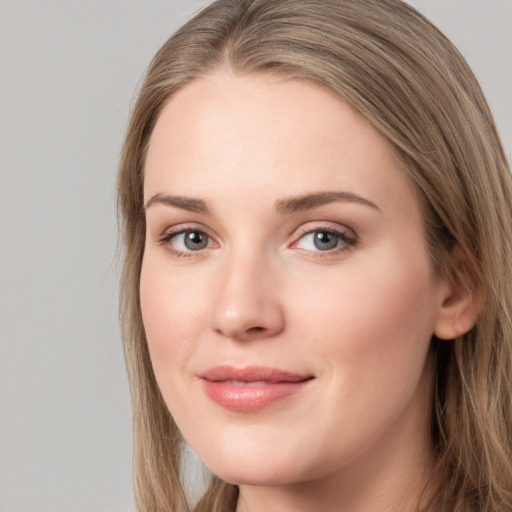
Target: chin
point(259, 474)
point(263, 468)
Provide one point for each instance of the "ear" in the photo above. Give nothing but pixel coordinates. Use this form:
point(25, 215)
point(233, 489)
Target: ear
point(459, 302)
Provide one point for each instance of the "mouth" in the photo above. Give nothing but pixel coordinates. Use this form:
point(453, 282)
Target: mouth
point(251, 388)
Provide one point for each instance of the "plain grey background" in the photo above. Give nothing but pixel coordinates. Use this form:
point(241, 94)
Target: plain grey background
point(68, 72)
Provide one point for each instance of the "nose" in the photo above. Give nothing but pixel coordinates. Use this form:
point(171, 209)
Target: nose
point(247, 304)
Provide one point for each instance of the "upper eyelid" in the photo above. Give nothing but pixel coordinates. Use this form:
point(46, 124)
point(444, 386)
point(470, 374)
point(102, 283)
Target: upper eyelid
point(183, 227)
point(311, 227)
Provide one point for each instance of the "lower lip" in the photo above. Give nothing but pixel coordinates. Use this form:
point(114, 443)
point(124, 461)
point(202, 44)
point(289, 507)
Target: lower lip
point(250, 396)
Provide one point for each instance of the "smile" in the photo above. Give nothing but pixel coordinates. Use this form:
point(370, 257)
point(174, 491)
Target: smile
point(252, 388)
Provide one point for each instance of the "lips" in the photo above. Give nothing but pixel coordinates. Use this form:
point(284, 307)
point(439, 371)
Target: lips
point(251, 388)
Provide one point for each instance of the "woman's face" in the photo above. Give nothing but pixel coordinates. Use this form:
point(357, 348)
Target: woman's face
point(286, 291)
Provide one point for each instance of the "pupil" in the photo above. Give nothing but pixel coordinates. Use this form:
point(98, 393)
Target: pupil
point(325, 240)
point(195, 240)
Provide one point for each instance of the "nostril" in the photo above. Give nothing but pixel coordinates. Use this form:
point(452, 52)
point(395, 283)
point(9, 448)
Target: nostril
point(256, 329)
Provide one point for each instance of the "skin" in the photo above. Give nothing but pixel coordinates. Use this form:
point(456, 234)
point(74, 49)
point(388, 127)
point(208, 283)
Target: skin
point(357, 318)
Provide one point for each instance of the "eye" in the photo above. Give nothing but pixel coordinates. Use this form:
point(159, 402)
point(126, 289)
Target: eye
point(187, 241)
point(325, 240)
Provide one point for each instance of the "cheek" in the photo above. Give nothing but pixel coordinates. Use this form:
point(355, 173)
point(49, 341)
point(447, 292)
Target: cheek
point(171, 314)
point(372, 322)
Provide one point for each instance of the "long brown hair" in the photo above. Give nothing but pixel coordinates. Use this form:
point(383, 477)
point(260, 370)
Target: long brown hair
point(394, 67)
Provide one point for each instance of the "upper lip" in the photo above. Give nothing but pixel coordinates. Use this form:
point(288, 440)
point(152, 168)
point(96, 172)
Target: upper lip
point(252, 374)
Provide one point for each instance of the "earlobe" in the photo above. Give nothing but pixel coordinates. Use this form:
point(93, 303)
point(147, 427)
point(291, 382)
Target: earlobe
point(459, 300)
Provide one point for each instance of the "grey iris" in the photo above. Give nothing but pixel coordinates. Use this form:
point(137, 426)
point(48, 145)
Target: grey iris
point(195, 240)
point(325, 241)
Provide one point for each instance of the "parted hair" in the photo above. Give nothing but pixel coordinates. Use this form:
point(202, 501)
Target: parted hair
point(402, 74)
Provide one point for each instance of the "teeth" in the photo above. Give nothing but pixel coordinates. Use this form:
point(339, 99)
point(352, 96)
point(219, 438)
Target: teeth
point(250, 384)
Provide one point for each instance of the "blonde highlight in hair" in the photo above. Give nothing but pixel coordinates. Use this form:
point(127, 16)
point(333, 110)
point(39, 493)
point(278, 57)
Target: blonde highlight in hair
point(396, 69)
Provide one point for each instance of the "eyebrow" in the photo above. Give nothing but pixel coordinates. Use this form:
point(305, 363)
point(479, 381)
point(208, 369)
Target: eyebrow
point(185, 203)
point(289, 205)
point(311, 201)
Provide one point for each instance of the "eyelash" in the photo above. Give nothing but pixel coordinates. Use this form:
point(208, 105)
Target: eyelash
point(346, 240)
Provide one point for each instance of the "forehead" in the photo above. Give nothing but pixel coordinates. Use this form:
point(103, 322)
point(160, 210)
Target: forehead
point(225, 134)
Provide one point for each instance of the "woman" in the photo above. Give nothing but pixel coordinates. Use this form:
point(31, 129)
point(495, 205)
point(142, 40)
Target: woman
point(316, 288)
